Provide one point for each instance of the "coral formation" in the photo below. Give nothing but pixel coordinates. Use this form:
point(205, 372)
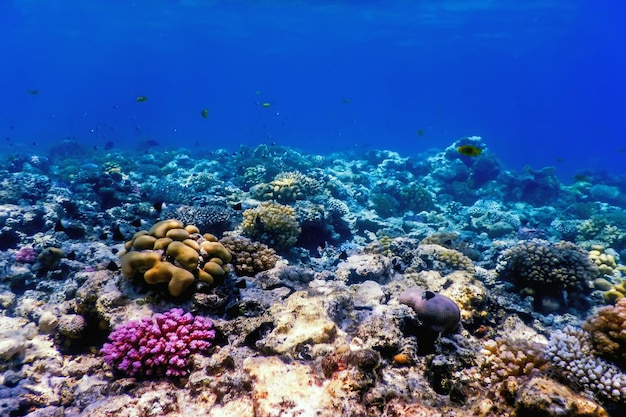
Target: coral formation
point(273, 224)
point(547, 269)
point(249, 257)
point(608, 332)
point(159, 345)
point(570, 353)
point(174, 254)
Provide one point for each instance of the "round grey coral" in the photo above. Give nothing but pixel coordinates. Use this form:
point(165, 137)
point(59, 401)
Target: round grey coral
point(436, 312)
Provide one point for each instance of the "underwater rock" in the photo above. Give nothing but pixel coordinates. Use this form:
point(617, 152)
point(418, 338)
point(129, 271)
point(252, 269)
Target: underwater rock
point(548, 398)
point(366, 267)
point(293, 389)
point(300, 319)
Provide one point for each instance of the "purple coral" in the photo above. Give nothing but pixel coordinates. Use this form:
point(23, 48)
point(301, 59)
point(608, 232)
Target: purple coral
point(26, 255)
point(158, 345)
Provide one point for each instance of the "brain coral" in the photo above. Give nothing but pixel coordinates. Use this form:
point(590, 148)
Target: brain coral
point(176, 255)
point(548, 268)
point(250, 256)
point(158, 345)
point(272, 223)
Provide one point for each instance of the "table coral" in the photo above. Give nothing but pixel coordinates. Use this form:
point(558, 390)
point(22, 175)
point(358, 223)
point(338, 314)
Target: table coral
point(159, 345)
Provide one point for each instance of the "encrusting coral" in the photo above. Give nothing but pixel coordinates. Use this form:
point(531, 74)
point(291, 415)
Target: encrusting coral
point(176, 255)
point(158, 345)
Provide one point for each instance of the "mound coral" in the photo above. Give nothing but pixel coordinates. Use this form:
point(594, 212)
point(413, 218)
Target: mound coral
point(272, 223)
point(158, 345)
point(547, 268)
point(250, 256)
point(176, 255)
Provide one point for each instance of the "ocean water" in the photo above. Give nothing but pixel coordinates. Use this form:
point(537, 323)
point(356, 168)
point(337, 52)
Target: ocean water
point(543, 82)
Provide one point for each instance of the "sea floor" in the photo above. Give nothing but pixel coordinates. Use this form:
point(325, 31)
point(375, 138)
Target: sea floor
point(269, 282)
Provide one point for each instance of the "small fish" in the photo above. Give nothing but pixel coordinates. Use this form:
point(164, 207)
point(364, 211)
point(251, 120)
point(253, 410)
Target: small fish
point(343, 255)
point(141, 99)
point(266, 105)
point(345, 100)
point(469, 150)
point(112, 266)
point(237, 206)
point(420, 132)
point(158, 206)
point(109, 145)
point(204, 113)
point(137, 223)
point(427, 295)
point(150, 142)
point(33, 92)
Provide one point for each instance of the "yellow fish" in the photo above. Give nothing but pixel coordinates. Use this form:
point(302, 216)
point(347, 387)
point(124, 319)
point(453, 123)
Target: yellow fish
point(469, 150)
point(204, 113)
point(141, 99)
point(266, 105)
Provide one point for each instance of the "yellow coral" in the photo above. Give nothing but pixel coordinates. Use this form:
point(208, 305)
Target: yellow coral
point(174, 254)
point(272, 223)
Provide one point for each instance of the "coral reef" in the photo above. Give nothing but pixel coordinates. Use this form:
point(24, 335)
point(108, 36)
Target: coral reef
point(317, 329)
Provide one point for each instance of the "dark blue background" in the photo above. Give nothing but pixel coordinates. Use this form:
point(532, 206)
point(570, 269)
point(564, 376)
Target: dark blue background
point(543, 82)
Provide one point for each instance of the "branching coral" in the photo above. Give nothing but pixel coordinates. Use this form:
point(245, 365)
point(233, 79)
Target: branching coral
point(504, 358)
point(608, 332)
point(159, 345)
point(250, 257)
point(570, 354)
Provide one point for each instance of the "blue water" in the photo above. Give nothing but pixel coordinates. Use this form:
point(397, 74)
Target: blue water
point(543, 82)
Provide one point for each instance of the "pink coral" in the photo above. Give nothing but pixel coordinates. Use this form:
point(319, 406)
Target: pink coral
point(26, 255)
point(158, 345)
